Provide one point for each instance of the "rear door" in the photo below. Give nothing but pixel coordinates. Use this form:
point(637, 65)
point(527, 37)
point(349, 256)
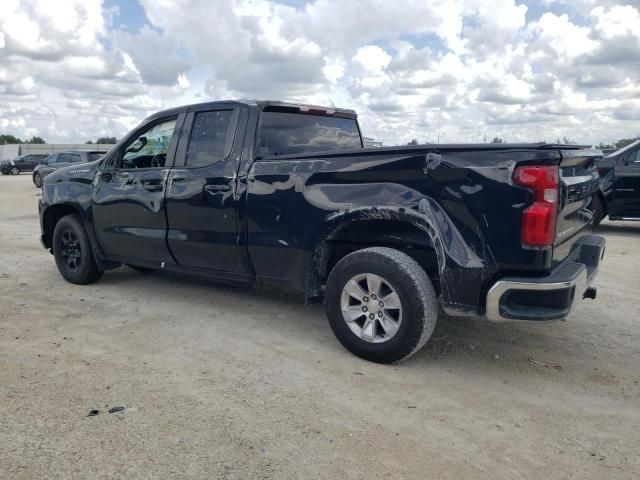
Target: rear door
point(128, 202)
point(578, 184)
point(202, 196)
point(28, 162)
point(626, 186)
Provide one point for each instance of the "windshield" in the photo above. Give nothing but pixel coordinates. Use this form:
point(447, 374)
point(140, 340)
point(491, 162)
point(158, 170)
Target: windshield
point(291, 133)
point(624, 149)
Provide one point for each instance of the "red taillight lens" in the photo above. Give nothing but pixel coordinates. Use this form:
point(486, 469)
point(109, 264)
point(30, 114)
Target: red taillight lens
point(539, 220)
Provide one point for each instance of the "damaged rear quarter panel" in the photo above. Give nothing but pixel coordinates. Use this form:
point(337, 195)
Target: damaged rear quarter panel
point(463, 202)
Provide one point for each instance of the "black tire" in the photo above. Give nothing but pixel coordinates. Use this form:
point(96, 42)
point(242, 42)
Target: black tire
point(37, 180)
point(141, 269)
point(597, 207)
point(416, 293)
point(72, 252)
point(15, 171)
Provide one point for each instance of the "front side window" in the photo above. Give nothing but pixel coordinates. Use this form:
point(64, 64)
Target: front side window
point(209, 141)
point(150, 148)
point(293, 133)
point(52, 159)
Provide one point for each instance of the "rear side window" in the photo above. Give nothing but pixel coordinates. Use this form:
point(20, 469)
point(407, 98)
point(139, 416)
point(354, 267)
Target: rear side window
point(95, 156)
point(291, 133)
point(210, 139)
point(69, 158)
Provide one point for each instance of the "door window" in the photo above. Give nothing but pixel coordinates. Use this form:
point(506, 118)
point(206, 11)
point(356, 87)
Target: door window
point(635, 159)
point(69, 158)
point(95, 156)
point(52, 159)
point(150, 148)
point(210, 139)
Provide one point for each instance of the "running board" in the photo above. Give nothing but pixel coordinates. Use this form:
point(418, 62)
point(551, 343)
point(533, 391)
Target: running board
point(625, 219)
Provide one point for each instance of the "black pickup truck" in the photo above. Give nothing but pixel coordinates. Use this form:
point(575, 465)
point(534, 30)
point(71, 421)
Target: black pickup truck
point(286, 195)
point(619, 195)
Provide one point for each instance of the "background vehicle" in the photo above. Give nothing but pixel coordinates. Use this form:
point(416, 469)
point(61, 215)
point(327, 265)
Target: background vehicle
point(619, 196)
point(286, 195)
point(62, 159)
point(24, 163)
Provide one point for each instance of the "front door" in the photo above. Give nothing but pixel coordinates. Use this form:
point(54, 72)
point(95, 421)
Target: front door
point(202, 197)
point(626, 187)
point(129, 210)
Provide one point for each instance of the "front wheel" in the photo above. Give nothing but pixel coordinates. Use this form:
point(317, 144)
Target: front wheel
point(72, 252)
point(381, 304)
point(37, 180)
point(15, 171)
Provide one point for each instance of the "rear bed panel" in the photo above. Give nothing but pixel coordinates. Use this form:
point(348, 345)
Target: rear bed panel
point(578, 183)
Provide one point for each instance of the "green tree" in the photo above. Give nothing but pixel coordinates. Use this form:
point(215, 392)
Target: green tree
point(413, 142)
point(497, 140)
point(89, 142)
point(618, 144)
point(38, 140)
point(7, 139)
point(624, 142)
point(107, 140)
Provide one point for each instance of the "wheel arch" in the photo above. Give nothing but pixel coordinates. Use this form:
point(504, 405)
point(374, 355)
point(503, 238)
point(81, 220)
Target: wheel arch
point(52, 215)
point(406, 230)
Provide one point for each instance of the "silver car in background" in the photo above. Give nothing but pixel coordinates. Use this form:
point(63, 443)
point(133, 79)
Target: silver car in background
point(62, 159)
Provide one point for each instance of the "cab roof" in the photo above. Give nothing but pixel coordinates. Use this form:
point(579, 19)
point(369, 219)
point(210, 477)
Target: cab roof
point(264, 105)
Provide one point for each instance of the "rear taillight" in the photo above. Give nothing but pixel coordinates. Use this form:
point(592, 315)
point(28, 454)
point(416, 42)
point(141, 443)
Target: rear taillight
point(539, 219)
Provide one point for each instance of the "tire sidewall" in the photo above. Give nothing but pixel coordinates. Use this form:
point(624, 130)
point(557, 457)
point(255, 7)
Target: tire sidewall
point(413, 314)
point(80, 275)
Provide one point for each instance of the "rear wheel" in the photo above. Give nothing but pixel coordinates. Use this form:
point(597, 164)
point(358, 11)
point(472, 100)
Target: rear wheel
point(37, 180)
point(15, 170)
point(381, 304)
point(72, 252)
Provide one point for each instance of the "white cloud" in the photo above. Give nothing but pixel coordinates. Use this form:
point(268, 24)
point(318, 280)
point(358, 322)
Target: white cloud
point(454, 69)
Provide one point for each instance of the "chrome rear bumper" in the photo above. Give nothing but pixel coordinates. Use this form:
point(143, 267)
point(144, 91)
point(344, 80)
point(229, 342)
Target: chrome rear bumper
point(551, 297)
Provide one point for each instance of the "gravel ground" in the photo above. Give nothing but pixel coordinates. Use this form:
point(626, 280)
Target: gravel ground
point(220, 382)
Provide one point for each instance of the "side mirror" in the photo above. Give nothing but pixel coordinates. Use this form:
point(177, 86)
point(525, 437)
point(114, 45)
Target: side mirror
point(134, 149)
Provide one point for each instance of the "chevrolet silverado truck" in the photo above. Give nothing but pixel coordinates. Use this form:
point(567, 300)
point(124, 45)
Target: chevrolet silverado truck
point(271, 193)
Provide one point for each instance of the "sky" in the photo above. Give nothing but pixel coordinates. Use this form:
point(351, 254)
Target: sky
point(447, 70)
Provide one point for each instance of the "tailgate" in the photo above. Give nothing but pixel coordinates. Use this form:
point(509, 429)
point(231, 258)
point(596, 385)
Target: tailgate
point(578, 184)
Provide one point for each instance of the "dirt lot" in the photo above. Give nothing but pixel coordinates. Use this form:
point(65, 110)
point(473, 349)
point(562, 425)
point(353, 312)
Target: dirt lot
point(233, 383)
